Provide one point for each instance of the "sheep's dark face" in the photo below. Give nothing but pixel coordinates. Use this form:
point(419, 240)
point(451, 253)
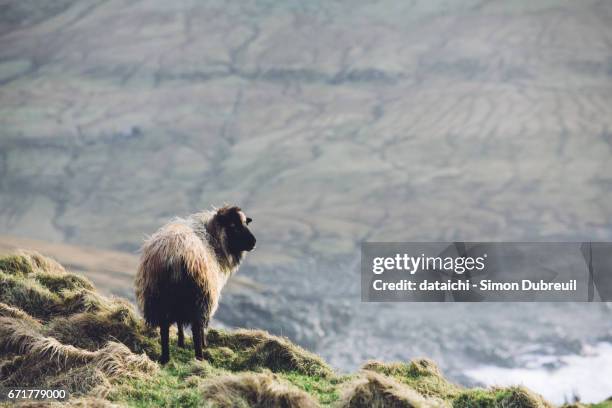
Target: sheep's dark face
point(235, 223)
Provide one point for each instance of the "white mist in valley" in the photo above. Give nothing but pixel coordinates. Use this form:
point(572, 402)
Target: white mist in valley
point(586, 376)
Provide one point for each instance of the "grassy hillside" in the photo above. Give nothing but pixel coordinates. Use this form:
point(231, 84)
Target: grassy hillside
point(56, 330)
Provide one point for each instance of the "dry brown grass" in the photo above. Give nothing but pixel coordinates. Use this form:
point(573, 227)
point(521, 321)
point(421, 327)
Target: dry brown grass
point(421, 374)
point(10, 311)
point(255, 390)
point(257, 349)
point(522, 397)
point(32, 359)
point(418, 367)
point(56, 330)
point(376, 390)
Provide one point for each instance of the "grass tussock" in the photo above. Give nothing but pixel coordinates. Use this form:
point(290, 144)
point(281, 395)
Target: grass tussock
point(248, 350)
point(56, 331)
point(10, 311)
point(377, 390)
point(422, 374)
point(33, 359)
point(425, 377)
point(500, 397)
point(35, 287)
point(254, 390)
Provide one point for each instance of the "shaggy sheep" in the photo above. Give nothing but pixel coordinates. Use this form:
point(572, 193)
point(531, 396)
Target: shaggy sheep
point(184, 266)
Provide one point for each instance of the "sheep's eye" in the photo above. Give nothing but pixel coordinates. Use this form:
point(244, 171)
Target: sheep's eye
point(232, 225)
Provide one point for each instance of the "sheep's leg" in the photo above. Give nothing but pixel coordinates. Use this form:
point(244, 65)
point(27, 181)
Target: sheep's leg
point(204, 332)
point(197, 329)
point(181, 335)
point(164, 331)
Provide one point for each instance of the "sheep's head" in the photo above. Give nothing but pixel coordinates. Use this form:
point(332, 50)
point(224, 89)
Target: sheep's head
point(234, 223)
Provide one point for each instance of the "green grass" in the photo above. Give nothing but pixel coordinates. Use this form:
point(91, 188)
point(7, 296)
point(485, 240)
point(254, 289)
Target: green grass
point(176, 385)
point(169, 388)
point(421, 375)
point(479, 398)
point(42, 307)
point(326, 390)
point(604, 404)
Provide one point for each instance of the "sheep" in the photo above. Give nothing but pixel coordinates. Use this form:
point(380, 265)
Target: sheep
point(184, 266)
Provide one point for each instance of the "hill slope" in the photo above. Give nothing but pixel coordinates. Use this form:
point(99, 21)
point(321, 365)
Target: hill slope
point(56, 330)
point(318, 118)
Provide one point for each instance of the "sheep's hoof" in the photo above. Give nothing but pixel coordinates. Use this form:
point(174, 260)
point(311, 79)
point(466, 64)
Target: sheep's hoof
point(200, 358)
point(182, 345)
point(164, 360)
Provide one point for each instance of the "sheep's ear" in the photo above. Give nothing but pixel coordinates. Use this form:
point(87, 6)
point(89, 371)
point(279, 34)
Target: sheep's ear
point(249, 220)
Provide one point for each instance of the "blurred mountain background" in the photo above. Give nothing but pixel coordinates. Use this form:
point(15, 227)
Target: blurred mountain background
point(330, 123)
